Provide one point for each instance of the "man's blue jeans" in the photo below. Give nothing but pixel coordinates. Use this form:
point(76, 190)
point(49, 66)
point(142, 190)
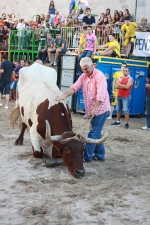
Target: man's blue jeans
point(97, 124)
point(86, 53)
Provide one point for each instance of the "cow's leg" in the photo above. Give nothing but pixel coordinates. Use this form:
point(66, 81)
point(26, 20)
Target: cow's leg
point(19, 140)
point(35, 141)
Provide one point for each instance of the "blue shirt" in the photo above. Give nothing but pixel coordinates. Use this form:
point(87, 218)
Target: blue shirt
point(72, 6)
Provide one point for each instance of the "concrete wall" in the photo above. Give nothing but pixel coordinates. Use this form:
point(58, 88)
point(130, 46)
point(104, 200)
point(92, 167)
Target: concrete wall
point(28, 8)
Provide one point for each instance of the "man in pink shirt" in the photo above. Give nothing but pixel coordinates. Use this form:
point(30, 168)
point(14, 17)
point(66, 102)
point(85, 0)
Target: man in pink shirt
point(90, 47)
point(97, 105)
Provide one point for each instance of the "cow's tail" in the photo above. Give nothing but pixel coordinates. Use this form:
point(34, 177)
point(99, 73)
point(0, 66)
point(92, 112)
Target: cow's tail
point(15, 117)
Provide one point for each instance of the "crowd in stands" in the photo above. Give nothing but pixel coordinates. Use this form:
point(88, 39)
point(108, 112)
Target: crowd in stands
point(79, 15)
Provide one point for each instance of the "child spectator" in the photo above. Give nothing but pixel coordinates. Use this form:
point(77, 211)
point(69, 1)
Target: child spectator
point(52, 9)
point(21, 34)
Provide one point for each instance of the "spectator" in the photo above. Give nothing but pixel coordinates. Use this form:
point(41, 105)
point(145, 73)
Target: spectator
point(57, 19)
point(121, 16)
point(105, 20)
point(52, 9)
point(147, 127)
point(113, 47)
point(74, 15)
point(43, 52)
point(96, 99)
point(76, 38)
point(14, 34)
point(123, 99)
point(16, 74)
point(5, 37)
point(21, 34)
point(116, 77)
point(116, 18)
point(28, 63)
point(82, 5)
point(59, 46)
point(76, 22)
point(107, 13)
point(5, 80)
point(82, 42)
point(128, 39)
point(127, 14)
point(88, 19)
point(90, 47)
point(42, 18)
point(38, 20)
point(68, 31)
point(72, 6)
point(144, 26)
point(101, 19)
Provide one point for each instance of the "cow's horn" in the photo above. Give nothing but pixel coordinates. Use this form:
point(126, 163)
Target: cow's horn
point(50, 138)
point(98, 141)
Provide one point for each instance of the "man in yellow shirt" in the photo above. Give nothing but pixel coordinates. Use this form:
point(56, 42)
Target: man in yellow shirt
point(113, 47)
point(82, 42)
point(116, 77)
point(128, 35)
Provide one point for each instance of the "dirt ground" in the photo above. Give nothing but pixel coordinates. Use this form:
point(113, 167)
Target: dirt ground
point(114, 192)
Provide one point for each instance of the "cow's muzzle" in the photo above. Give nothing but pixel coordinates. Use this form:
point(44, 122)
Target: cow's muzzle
point(79, 174)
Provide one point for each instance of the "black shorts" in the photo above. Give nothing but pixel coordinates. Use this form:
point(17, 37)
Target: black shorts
point(114, 54)
point(5, 85)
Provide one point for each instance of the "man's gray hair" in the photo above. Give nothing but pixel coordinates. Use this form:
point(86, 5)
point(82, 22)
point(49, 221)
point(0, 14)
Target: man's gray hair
point(39, 61)
point(86, 61)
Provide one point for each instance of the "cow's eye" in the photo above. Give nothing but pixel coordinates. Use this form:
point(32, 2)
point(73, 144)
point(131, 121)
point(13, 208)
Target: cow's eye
point(67, 150)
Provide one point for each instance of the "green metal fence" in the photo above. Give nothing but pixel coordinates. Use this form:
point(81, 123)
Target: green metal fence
point(26, 44)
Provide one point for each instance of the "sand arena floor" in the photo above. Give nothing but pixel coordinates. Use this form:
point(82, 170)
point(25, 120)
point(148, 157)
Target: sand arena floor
point(115, 192)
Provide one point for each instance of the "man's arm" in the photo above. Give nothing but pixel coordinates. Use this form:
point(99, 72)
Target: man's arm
point(108, 49)
point(95, 108)
point(147, 86)
point(74, 88)
point(1, 71)
point(69, 92)
point(126, 86)
point(101, 46)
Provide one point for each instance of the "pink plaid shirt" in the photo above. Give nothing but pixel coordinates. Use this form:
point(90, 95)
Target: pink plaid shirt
point(94, 89)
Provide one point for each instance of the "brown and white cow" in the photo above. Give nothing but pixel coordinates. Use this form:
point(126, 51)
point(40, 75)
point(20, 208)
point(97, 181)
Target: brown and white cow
point(49, 121)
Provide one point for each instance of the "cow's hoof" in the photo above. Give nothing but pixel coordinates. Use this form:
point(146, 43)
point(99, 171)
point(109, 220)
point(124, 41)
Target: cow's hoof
point(38, 154)
point(18, 142)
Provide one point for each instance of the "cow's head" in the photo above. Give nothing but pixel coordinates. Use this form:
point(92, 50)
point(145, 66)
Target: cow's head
point(72, 148)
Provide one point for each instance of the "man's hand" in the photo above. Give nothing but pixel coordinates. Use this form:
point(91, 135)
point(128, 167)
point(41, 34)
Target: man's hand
point(93, 112)
point(61, 97)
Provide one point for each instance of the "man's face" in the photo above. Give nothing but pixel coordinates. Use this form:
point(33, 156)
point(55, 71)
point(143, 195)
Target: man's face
point(144, 21)
point(111, 38)
point(58, 36)
point(88, 12)
point(22, 63)
point(123, 67)
point(49, 36)
point(87, 70)
point(127, 22)
point(89, 30)
point(126, 72)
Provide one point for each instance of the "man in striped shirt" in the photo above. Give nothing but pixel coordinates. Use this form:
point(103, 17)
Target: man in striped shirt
point(97, 105)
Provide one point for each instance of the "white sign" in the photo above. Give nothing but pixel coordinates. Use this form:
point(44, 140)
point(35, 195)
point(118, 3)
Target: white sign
point(142, 44)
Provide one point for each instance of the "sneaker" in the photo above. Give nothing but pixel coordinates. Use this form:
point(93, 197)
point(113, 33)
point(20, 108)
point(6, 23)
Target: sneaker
point(6, 107)
point(116, 124)
point(55, 63)
point(51, 63)
point(126, 125)
point(109, 118)
point(85, 116)
point(1, 104)
point(98, 159)
point(145, 128)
